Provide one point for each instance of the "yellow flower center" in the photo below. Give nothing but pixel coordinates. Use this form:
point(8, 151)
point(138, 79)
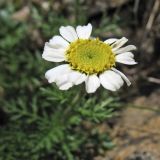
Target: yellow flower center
point(90, 56)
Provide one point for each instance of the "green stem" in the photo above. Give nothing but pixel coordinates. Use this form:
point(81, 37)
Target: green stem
point(74, 101)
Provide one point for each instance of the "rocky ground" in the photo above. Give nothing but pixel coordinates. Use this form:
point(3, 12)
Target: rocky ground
point(136, 132)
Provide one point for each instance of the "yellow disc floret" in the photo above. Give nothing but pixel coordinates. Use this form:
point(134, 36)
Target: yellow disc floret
point(90, 56)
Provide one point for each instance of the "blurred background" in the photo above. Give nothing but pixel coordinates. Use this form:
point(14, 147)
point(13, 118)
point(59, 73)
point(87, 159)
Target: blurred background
point(36, 121)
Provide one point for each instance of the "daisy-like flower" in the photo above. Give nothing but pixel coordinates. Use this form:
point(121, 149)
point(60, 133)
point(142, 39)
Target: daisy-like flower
point(87, 59)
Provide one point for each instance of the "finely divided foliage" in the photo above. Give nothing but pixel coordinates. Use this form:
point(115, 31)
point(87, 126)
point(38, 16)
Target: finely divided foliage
point(87, 59)
point(38, 121)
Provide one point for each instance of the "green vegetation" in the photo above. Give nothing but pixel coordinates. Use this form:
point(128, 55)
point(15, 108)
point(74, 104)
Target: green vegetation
point(39, 121)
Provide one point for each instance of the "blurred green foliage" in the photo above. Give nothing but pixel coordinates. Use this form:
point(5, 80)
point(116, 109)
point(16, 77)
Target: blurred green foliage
point(39, 121)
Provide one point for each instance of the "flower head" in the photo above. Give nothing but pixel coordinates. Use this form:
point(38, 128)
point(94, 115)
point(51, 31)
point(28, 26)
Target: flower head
point(87, 59)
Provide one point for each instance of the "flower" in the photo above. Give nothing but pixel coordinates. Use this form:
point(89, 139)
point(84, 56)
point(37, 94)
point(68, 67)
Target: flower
point(87, 59)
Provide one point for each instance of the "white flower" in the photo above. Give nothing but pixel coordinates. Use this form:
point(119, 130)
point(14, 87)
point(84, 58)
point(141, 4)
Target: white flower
point(87, 60)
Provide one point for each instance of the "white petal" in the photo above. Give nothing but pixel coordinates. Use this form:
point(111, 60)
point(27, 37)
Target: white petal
point(92, 83)
point(111, 80)
point(54, 73)
point(66, 86)
point(126, 54)
point(77, 78)
point(81, 79)
point(53, 55)
point(106, 83)
point(84, 32)
point(119, 43)
point(123, 76)
point(126, 58)
point(58, 42)
point(125, 49)
point(63, 82)
point(68, 33)
point(110, 40)
point(126, 61)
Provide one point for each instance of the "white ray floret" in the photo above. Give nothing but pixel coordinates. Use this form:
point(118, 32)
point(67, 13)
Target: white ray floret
point(92, 83)
point(58, 42)
point(68, 33)
point(84, 32)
